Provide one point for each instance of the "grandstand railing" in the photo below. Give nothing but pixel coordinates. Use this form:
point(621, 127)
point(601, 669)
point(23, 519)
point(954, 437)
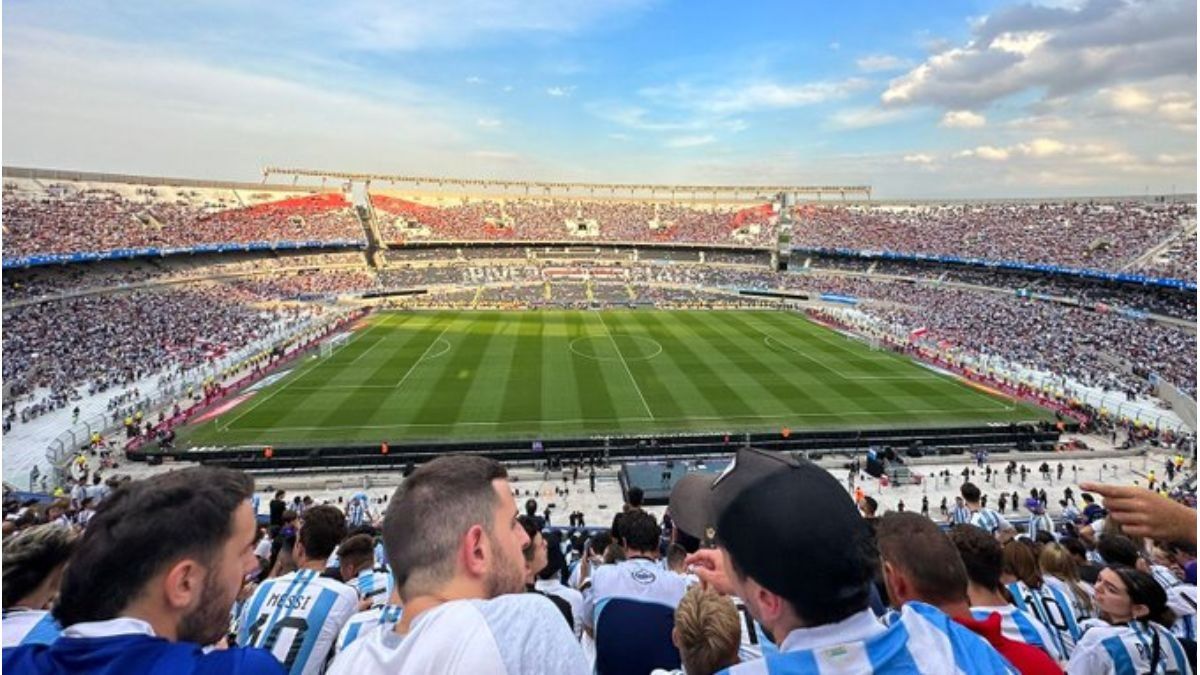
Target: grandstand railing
point(130, 253)
point(985, 263)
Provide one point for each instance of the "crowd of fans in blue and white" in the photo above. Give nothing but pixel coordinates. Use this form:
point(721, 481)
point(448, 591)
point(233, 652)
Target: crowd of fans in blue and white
point(770, 567)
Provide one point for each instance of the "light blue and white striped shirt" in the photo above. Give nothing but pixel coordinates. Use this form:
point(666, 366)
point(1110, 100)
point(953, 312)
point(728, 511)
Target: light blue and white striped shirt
point(1020, 626)
point(990, 521)
point(297, 618)
point(373, 585)
point(1127, 650)
point(1039, 523)
point(960, 515)
point(28, 627)
point(1052, 608)
point(387, 615)
point(920, 639)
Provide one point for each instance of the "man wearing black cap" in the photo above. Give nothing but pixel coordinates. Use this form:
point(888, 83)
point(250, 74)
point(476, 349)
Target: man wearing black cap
point(792, 545)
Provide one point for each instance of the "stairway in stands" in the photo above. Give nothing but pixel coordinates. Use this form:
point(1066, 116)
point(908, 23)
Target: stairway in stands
point(375, 243)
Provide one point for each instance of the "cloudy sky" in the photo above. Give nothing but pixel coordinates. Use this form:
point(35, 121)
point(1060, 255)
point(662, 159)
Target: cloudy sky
point(921, 98)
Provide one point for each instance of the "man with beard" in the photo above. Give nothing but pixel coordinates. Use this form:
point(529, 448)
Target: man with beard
point(153, 579)
point(297, 616)
point(455, 545)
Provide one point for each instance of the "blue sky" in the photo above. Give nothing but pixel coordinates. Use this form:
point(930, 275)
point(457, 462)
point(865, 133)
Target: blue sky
point(953, 98)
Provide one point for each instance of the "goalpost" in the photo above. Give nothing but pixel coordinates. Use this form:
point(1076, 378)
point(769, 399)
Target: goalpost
point(334, 343)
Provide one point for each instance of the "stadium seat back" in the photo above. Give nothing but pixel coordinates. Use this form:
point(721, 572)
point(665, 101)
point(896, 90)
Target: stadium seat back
point(634, 637)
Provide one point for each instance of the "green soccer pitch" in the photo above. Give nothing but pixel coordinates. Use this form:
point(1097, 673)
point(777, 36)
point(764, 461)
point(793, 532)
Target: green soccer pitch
point(458, 375)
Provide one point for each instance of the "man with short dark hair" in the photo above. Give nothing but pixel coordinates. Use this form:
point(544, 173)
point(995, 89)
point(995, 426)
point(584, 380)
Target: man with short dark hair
point(920, 564)
point(297, 616)
point(792, 545)
point(170, 554)
point(633, 502)
point(356, 558)
point(984, 518)
point(983, 559)
point(455, 548)
point(629, 607)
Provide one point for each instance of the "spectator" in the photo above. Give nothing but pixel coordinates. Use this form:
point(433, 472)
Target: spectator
point(549, 581)
point(920, 564)
point(983, 558)
point(278, 506)
point(535, 554)
point(1135, 638)
point(312, 602)
point(633, 502)
point(33, 567)
point(1031, 593)
point(168, 590)
point(455, 548)
point(707, 633)
point(629, 606)
point(1061, 570)
point(986, 519)
point(356, 558)
point(810, 588)
point(384, 617)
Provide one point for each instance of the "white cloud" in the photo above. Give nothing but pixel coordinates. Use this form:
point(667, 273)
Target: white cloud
point(962, 119)
point(918, 158)
point(93, 104)
point(861, 118)
point(475, 79)
point(1057, 51)
point(689, 141)
point(559, 92)
point(875, 63)
point(1039, 123)
point(488, 123)
point(506, 88)
point(752, 96)
point(988, 152)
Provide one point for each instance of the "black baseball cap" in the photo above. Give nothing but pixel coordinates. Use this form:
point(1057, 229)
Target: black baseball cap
point(698, 498)
point(788, 524)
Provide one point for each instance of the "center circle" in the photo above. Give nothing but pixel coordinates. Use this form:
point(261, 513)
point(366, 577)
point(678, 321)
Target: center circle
point(443, 347)
point(628, 347)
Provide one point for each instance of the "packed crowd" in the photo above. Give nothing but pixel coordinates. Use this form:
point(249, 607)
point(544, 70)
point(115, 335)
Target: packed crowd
point(1165, 301)
point(771, 567)
point(62, 222)
point(548, 220)
point(1177, 260)
point(1088, 235)
point(102, 342)
point(308, 284)
point(50, 281)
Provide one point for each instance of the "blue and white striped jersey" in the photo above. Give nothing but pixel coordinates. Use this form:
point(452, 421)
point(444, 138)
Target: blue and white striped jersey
point(1082, 610)
point(356, 513)
point(989, 520)
point(373, 585)
point(1127, 650)
point(1039, 523)
point(28, 627)
point(1051, 607)
point(297, 617)
point(387, 615)
point(1182, 600)
point(960, 515)
point(1020, 626)
point(1165, 577)
point(920, 639)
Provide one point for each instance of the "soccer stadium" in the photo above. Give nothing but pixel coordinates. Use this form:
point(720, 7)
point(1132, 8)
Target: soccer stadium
point(343, 410)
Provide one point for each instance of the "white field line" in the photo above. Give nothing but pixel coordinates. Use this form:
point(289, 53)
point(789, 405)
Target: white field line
point(626, 364)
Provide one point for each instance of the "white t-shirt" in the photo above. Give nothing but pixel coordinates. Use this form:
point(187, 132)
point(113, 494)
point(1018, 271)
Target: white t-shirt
point(512, 634)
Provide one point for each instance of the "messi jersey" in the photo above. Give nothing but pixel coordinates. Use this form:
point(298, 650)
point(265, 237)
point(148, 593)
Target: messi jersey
point(373, 585)
point(386, 615)
point(1128, 650)
point(29, 627)
point(1019, 626)
point(297, 617)
point(921, 639)
point(1053, 609)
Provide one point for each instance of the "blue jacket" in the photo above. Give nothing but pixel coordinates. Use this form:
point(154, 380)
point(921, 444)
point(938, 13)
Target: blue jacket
point(121, 654)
